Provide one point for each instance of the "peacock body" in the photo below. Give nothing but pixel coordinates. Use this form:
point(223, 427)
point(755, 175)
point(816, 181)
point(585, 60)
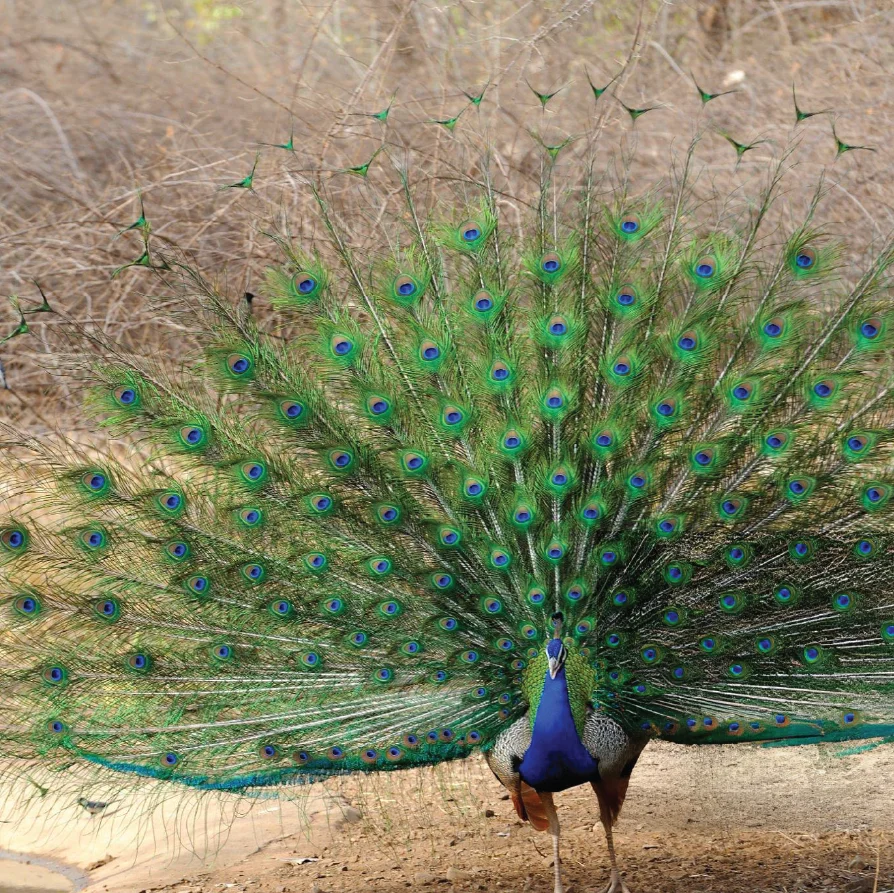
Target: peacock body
point(545, 489)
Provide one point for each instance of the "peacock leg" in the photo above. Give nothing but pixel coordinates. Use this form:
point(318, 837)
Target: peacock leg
point(616, 884)
point(550, 808)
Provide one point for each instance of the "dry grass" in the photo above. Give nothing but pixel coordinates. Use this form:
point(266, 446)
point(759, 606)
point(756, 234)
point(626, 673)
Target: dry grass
point(101, 99)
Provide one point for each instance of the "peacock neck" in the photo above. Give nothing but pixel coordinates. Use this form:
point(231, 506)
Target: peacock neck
point(556, 757)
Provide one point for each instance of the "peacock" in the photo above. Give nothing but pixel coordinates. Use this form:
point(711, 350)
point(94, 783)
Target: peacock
point(542, 480)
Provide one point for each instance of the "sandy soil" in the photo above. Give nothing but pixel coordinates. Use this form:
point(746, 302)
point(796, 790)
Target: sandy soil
point(718, 820)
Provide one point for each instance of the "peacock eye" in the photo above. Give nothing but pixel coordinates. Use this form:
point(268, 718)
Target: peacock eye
point(342, 345)
point(558, 326)
point(239, 364)
point(805, 258)
point(483, 302)
point(773, 328)
point(95, 481)
point(305, 283)
point(870, 328)
point(126, 395)
point(551, 262)
point(406, 286)
point(705, 267)
point(630, 224)
point(626, 296)
point(14, 539)
point(291, 409)
point(470, 231)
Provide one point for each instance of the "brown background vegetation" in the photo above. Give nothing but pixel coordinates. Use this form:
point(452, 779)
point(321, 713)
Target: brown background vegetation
point(100, 98)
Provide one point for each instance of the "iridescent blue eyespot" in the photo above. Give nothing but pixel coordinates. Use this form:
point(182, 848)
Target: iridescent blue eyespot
point(869, 330)
point(622, 368)
point(177, 550)
point(170, 759)
point(306, 284)
point(27, 605)
point(343, 346)
point(126, 396)
point(822, 389)
point(604, 440)
point(471, 233)
point(805, 259)
point(686, 342)
point(705, 268)
point(773, 329)
point(484, 302)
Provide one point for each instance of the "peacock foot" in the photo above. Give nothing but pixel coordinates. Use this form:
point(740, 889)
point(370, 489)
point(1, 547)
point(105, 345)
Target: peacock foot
point(616, 885)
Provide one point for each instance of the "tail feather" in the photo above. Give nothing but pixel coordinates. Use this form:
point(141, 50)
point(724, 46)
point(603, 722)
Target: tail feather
point(342, 533)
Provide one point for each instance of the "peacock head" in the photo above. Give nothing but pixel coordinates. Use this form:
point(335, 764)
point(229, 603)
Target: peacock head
point(556, 652)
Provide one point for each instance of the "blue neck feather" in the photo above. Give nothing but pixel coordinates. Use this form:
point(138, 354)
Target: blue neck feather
point(556, 758)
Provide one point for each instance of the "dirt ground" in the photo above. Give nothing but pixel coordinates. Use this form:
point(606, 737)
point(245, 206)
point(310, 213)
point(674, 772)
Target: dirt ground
point(720, 820)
